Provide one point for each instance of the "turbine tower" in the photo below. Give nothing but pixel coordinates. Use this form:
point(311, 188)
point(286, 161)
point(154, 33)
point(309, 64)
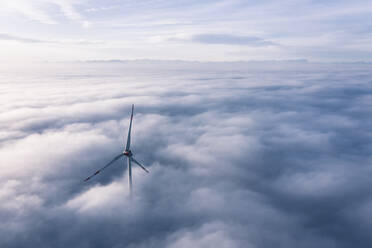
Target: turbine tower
point(130, 158)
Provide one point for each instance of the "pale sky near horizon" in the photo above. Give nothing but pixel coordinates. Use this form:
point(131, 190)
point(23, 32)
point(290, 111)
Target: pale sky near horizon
point(65, 30)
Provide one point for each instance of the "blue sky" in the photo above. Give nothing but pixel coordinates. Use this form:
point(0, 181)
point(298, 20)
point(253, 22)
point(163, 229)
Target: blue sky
point(59, 30)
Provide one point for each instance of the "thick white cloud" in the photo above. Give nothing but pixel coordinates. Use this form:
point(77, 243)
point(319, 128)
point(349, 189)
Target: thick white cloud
point(240, 155)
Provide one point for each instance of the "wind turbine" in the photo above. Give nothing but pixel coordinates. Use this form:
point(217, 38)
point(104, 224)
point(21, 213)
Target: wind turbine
point(128, 153)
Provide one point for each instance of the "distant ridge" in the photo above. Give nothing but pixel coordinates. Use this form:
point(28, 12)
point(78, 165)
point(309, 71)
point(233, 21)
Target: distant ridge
point(150, 61)
point(232, 62)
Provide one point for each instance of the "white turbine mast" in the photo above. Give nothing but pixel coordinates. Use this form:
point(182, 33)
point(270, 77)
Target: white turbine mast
point(128, 153)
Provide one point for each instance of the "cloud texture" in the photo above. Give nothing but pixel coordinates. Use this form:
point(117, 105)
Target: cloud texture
point(227, 39)
point(240, 155)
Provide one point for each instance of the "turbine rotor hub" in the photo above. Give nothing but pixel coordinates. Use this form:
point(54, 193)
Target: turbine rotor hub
point(128, 153)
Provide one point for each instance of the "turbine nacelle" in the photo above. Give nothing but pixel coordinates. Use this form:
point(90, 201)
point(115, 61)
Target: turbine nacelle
point(128, 153)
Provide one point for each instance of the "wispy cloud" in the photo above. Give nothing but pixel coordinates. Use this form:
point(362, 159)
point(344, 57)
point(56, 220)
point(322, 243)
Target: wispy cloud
point(71, 13)
point(228, 39)
point(28, 9)
point(30, 40)
point(20, 39)
point(262, 30)
point(39, 10)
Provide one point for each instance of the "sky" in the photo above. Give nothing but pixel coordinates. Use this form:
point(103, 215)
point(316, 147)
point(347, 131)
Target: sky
point(240, 154)
point(218, 30)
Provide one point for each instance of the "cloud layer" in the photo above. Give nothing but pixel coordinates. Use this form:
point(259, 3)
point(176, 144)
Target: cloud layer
point(227, 39)
point(240, 155)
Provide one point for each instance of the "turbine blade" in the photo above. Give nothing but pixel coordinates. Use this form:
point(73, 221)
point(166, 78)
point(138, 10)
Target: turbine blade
point(104, 167)
point(130, 174)
point(135, 161)
point(130, 127)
